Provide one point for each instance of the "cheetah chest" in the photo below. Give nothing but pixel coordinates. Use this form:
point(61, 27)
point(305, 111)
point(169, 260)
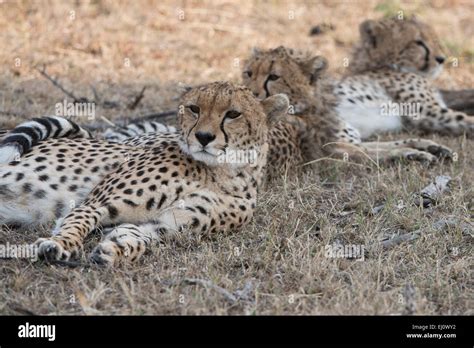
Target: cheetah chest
point(364, 104)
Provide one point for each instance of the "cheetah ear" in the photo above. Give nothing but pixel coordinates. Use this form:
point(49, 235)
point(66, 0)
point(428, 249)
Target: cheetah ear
point(367, 31)
point(256, 51)
point(314, 66)
point(276, 107)
point(183, 89)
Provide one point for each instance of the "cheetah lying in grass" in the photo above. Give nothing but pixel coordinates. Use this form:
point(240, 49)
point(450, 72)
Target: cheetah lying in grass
point(145, 191)
point(316, 126)
point(388, 87)
point(390, 67)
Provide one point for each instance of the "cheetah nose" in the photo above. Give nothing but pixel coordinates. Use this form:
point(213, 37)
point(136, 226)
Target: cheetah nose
point(440, 59)
point(205, 137)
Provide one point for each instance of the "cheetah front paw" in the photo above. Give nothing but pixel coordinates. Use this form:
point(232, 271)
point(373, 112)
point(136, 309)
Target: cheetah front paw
point(420, 156)
point(105, 254)
point(50, 249)
point(440, 151)
point(124, 243)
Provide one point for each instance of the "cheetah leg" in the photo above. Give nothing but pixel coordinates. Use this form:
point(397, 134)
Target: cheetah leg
point(424, 145)
point(388, 154)
point(129, 242)
point(69, 239)
point(125, 242)
point(380, 152)
point(438, 118)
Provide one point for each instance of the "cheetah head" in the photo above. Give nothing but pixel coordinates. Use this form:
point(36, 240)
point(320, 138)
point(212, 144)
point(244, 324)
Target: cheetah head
point(221, 119)
point(284, 70)
point(407, 45)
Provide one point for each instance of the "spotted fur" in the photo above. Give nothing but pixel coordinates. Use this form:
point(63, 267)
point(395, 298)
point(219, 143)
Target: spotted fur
point(389, 87)
point(316, 129)
point(148, 191)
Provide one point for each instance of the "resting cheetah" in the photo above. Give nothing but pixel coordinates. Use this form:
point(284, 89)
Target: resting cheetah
point(146, 192)
point(388, 87)
point(316, 127)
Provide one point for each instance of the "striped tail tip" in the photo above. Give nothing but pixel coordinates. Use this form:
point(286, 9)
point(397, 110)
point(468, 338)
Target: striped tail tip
point(10, 153)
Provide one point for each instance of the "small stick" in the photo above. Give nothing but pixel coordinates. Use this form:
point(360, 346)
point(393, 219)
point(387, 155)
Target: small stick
point(439, 225)
point(208, 284)
point(407, 237)
point(137, 99)
point(58, 85)
point(96, 94)
point(110, 123)
point(106, 103)
point(431, 193)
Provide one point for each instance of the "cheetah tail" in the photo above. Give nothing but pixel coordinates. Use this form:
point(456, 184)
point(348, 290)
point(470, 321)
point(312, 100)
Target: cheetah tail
point(23, 137)
point(136, 129)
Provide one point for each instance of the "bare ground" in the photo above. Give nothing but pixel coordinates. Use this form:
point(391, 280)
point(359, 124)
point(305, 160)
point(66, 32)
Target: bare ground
point(278, 264)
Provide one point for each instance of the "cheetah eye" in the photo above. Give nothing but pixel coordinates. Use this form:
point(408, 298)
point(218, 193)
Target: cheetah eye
point(273, 77)
point(248, 73)
point(232, 114)
point(194, 108)
point(419, 42)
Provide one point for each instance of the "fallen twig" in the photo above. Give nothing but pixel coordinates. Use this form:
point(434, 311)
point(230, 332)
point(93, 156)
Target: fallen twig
point(377, 209)
point(244, 294)
point(97, 100)
point(137, 99)
point(110, 123)
point(430, 194)
point(58, 85)
point(208, 284)
point(427, 197)
point(439, 225)
point(407, 237)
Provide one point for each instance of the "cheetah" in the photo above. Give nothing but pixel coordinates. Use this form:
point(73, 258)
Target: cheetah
point(314, 125)
point(147, 192)
point(388, 85)
point(312, 129)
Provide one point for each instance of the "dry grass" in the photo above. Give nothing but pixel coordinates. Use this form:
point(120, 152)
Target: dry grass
point(279, 259)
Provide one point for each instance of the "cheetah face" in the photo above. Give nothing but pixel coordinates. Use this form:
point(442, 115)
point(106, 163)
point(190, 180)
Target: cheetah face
point(283, 70)
point(407, 44)
point(220, 118)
